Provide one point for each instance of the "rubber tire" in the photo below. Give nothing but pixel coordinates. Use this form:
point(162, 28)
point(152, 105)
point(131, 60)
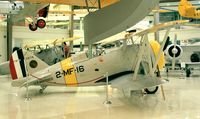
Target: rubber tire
point(151, 92)
point(41, 91)
point(38, 23)
point(32, 28)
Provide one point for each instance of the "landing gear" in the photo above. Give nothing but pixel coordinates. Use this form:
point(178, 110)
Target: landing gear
point(188, 72)
point(41, 23)
point(32, 26)
point(152, 90)
point(43, 88)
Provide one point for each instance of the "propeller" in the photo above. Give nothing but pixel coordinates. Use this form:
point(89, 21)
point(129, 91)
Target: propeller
point(174, 51)
point(166, 43)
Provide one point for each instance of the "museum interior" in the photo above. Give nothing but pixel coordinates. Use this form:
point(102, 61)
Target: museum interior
point(99, 59)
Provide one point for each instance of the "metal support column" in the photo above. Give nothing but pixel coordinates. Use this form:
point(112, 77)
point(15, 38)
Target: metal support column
point(71, 27)
point(81, 23)
point(81, 46)
point(156, 21)
point(9, 36)
point(107, 101)
point(90, 51)
point(99, 4)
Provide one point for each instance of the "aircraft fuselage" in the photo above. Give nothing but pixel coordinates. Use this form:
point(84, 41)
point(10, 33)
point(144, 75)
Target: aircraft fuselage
point(85, 72)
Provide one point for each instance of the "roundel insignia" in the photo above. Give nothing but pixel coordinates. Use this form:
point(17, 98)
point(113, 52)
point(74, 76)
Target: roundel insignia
point(33, 64)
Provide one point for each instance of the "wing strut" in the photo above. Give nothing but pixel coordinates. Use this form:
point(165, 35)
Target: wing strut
point(94, 4)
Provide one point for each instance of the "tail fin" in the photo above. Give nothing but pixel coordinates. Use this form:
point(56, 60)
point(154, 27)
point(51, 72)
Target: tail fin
point(23, 62)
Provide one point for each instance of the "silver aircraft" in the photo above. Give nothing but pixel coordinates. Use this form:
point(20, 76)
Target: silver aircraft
point(128, 67)
point(186, 57)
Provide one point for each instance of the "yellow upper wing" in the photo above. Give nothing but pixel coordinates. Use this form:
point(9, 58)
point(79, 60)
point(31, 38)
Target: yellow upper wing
point(91, 3)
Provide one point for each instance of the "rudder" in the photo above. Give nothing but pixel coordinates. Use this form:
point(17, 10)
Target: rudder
point(23, 62)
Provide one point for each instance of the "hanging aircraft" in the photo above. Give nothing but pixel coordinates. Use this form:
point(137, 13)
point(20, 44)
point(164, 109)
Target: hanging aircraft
point(21, 10)
point(129, 67)
point(186, 9)
point(34, 14)
point(7, 7)
point(38, 10)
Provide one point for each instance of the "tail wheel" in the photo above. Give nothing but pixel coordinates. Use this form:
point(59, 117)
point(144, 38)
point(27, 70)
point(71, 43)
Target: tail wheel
point(152, 90)
point(41, 23)
point(32, 27)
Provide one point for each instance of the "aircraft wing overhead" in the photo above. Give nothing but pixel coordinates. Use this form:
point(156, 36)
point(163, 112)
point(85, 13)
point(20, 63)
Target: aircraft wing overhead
point(91, 3)
point(32, 80)
point(161, 26)
point(126, 82)
point(157, 27)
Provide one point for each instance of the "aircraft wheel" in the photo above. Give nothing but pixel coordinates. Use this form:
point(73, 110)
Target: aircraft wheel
point(41, 23)
point(32, 27)
point(41, 91)
point(152, 90)
point(43, 87)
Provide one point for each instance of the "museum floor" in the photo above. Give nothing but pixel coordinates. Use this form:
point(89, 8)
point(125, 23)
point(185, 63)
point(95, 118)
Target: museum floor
point(182, 102)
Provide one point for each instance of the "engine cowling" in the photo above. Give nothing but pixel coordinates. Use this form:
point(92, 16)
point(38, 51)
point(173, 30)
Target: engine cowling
point(174, 51)
point(156, 48)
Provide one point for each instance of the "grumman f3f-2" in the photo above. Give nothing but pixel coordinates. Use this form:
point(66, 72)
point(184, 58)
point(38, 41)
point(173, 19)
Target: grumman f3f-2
point(129, 67)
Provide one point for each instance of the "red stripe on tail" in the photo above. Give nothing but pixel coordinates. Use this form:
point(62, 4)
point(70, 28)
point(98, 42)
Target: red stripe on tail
point(12, 69)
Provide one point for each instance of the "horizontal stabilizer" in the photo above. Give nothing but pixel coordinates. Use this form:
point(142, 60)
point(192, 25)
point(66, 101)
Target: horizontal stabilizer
point(142, 82)
point(4, 68)
point(32, 80)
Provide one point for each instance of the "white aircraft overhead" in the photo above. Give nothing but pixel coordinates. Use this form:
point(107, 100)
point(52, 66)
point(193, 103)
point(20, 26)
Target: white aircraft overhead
point(37, 10)
point(129, 67)
point(7, 7)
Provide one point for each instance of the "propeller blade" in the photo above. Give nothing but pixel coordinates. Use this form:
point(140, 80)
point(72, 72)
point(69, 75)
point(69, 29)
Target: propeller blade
point(166, 43)
point(174, 53)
